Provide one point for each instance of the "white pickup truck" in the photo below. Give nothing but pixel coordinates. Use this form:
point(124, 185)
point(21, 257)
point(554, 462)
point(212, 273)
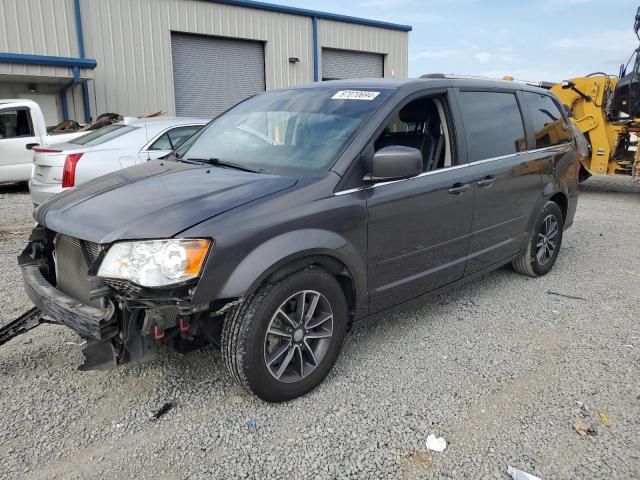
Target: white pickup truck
point(22, 127)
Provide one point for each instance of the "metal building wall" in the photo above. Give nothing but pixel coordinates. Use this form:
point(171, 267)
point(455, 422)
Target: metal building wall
point(347, 36)
point(39, 27)
point(131, 41)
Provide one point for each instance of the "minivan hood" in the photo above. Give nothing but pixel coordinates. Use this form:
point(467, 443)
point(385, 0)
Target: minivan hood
point(157, 199)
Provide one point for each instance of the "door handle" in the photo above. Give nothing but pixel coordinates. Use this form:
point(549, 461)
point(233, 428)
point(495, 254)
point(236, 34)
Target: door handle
point(486, 182)
point(30, 146)
point(458, 188)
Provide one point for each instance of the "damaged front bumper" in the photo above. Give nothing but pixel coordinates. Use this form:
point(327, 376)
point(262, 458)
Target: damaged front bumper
point(87, 321)
point(96, 325)
point(123, 323)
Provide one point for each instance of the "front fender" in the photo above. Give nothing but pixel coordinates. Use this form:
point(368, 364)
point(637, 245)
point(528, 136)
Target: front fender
point(283, 249)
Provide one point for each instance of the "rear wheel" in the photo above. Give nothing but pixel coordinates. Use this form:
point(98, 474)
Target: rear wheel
point(544, 244)
point(283, 340)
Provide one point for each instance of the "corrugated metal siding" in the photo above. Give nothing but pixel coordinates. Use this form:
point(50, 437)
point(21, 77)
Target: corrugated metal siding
point(131, 41)
point(392, 43)
point(38, 27)
point(341, 64)
point(211, 74)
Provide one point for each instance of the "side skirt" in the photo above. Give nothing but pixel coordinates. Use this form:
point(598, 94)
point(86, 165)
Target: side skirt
point(364, 321)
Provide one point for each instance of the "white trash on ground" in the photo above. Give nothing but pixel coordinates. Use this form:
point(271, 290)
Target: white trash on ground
point(436, 444)
point(520, 475)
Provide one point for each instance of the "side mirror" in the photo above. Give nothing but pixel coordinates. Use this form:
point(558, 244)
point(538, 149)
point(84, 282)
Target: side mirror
point(395, 163)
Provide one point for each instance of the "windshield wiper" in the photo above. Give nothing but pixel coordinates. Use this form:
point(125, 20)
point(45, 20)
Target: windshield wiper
point(222, 163)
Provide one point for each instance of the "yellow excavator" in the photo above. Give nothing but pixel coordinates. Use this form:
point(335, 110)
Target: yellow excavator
point(601, 113)
point(606, 109)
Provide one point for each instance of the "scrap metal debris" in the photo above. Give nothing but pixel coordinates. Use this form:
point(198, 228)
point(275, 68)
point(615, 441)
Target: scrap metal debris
point(583, 427)
point(162, 410)
point(520, 475)
point(572, 297)
point(437, 444)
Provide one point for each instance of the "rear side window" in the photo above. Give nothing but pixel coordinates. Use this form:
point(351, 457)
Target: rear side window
point(548, 124)
point(103, 134)
point(493, 124)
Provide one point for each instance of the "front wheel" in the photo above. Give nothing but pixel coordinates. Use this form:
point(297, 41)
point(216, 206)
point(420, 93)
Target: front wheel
point(544, 244)
point(284, 339)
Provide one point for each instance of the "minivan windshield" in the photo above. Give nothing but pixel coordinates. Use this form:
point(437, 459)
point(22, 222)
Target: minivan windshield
point(297, 132)
point(102, 135)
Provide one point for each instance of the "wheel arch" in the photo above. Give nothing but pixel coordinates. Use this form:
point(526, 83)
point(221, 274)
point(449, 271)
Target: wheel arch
point(293, 251)
point(551, 193)
point(332, 265)
point(562, 201)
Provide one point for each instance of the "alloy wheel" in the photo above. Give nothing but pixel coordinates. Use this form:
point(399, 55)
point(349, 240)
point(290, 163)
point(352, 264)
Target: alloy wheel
point(547, 239)
point(298, 336)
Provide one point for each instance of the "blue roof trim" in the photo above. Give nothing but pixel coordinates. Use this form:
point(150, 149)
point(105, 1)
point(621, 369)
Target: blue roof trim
point(313, 13)
point(49, 60)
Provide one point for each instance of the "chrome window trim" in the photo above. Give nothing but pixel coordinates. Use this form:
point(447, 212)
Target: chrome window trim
point(351, 190)
point(560, 149)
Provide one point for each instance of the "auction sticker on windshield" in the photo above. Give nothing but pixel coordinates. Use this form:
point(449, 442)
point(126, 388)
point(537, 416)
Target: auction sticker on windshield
point(354, 95)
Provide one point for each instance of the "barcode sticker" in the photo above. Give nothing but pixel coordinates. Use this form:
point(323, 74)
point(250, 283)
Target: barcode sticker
point(355, 95)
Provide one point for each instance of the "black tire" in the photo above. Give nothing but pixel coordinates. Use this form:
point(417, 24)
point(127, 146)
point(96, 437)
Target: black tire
point(244, 342)
point(531, 263)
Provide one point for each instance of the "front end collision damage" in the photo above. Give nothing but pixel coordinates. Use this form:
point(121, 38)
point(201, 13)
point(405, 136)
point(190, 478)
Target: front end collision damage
point(132, 320)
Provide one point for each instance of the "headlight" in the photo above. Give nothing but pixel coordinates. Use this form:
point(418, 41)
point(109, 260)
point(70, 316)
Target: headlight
point(155, 263)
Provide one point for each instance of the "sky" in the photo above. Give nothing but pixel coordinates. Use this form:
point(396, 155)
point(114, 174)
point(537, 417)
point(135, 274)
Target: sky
point(549, 40)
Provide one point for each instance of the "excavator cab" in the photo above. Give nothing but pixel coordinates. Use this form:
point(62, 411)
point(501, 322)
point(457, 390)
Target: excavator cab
point(626, 97)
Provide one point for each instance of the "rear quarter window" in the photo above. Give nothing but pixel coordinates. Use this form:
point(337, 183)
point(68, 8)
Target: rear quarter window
point(549, 126)
point(104, 134)
point(493, 124)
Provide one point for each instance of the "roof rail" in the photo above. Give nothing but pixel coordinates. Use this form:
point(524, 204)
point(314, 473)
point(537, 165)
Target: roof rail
point(542, 84)
point(433, 75)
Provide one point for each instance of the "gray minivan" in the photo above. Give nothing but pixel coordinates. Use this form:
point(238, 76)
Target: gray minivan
point(300, 212)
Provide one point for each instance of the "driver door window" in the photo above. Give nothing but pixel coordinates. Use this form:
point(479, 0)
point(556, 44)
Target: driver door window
point(421, 124)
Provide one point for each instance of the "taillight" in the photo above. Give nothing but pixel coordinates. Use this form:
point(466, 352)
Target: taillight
point(69, 171)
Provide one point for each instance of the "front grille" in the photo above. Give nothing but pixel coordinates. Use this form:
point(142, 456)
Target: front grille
point(72, 269)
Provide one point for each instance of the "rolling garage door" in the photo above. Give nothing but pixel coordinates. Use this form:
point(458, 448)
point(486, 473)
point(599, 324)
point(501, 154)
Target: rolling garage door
point(339, 64)
point(211, 74)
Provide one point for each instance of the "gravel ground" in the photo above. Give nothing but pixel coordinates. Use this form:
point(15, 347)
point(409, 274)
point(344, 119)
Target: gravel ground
point(500, 368)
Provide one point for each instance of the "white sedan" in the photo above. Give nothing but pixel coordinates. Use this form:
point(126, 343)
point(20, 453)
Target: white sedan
point(64, 165)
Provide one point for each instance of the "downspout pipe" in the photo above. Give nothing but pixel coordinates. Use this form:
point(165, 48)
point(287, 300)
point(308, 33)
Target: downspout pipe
point(314, 29)
point(63, 92)
point(81, 53)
